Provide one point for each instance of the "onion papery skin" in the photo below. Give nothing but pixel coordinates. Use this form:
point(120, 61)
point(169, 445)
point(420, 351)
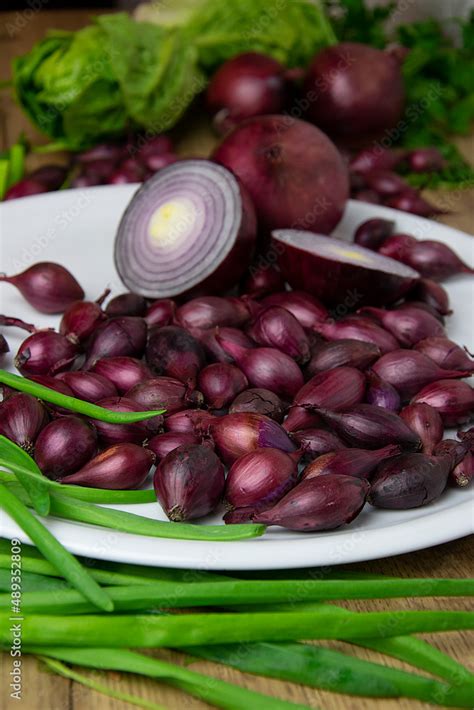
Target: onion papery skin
point(294, 174)
point(340, 274)
point(426, 422)
point(258, 401)
point(278, 328)
point(238, 434)
point(22, 417)
point(453, 399)
point(45, 353)
point(189, 228)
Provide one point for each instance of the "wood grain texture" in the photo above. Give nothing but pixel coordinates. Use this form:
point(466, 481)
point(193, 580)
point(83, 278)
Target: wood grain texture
point(45, 691)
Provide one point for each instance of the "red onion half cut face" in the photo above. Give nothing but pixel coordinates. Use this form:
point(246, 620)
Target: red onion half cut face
point(190, 228)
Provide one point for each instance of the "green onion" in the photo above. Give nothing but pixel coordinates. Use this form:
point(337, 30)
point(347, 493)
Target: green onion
point(4, 169)
point(31, 582)
point(17, 163)
point(332, 670)
point(63, 561)
point(75, 405)
point(70, 509)
point(63, 670)
point(222, 593)
point(214, 691)
point(28, 474)
point(154, 631)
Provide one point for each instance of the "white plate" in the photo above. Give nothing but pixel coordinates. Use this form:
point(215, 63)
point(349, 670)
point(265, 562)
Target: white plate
point(76, 228)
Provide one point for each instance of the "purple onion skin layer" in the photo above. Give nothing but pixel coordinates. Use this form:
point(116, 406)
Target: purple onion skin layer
point(359, 328)
point(306, 309)
point(350, 462)
point(48, 287)
point(433, 294)
point(426, 422)
point(276, 327)
point(190, 421)
point(214, 351)
point(316, 442)
point(409, 371)
point(372, 233)
point(189, 482)
point(258, 401)
point(262, 280)
point(120, 467)
point(462, 474)
point(126, 304)
point(408, 325)
point(125, 335)
point(421, 305)
point(55, 384)
point(259, 479)
point(162, 444)
point(173, 352)
point(287, 166)
point(445, 353)
point(371, 427)
point(321, 503)
point(136, 433)
point(161, 312)
point(381, 393)
point(240, 515)
point(64, 446)
point(123, 372)
point(88, 385)
point(164, 393)
point(467, 437)
point(212, 311)
point(220, 383)
point(451, 448)
point(432, 259)
point(340, 353)
point(80, 320)
point(238, 434)
point(453, 399)
point(45, 353)
point(22, 417)
point(409, 481)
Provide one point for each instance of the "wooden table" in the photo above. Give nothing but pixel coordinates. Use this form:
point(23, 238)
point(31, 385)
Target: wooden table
point(43, 691)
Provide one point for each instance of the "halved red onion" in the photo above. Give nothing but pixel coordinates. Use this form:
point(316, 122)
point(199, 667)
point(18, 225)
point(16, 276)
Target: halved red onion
point(191, 226)
point(339, 273)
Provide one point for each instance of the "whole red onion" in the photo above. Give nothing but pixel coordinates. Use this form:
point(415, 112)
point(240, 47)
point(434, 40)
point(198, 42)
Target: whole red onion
point(426, 422)
point(64, 446)
point(381, 393)
point(161, 312)
point(22, 417)
point(358, 328)
point(214, 350)
point(162, 444)
point(316, 442)
point(125, 335)
point(220, 383)
point(373, 232)
point(88, 385)
point(259, 479)
point(306, 309)
point(80, 320)
point(396, 245)
point(411, 201)
point(45, 353)
point(432, 259)
point(57, 385)
point(172, 351)
point(258, 401)
point(123, 466)
point(376, 158)
point(135, 433)
point(275, 327)
point(338, 353)
point(453, 399)
point(123, 372)
point(452, 449)
point(211, 311)
point(190, 421)
point(409, 481)
point(48, 287)
point(237, 434)
point(321, 503)
point(408, 324)
point(261, 280)
point(189, 482)
point(433, 294)
point(445, 353)
point(350, 462)
point(164, 393)
point(126, 304)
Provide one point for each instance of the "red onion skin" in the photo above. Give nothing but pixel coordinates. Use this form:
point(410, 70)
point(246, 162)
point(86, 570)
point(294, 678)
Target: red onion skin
point(421, 305)
point(409, 371)
point(316, 442)
point(371, 427)
point(162, 444)
point(276, 327)
point(260, 478)
point(238, 434)
point(306, 309)
point(58, 386)
point(220, 383)
point(45, 353)
point(164, 393)
point(22, 417)
point(161, 312)
point(126, 304)
point(445, 353)
point(408, 325)
point(240, 515)
point(261, 280)
point(64, 446)
point(453, 399)
point(432, 259)
point(381, 393)
point(88, 385)
point(396, 245)
point(80, 320)
point(4, 348)
point(372, 233)
point(214, 350)
point(301, 418)
point(123, 372)
point(386, 183)
point(189, 482)
point(410, 201)
point(363, 91)
point(376, 158)
point(258, 401)
point(173, 352)
point(48, 287)
point(120, 467)
point(350, 462)
point(122, 336)
point(211, 311)
point(426, 422)
point(358, 328)
point(136, 433)
point(190, 421)
point(409, 481)
point(433, 294)
point(321, 503)
point(340, 353)
point(463, 473)
point(288, 167)
point(452, 449)
point(467, 437)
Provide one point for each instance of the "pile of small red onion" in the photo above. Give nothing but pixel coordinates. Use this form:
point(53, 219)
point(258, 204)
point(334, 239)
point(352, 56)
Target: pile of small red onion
point(282, 414)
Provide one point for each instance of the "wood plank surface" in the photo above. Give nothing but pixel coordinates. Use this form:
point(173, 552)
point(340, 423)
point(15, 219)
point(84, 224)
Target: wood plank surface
point(45, 691)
